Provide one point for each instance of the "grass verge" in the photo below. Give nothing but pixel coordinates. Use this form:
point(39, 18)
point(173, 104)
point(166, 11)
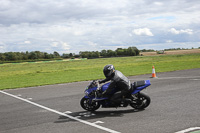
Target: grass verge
point(37, 74)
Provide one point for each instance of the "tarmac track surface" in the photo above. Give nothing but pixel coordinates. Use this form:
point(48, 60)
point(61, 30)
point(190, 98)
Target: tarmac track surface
point(175, 107)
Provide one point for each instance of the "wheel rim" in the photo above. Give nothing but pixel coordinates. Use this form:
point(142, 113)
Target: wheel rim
point(90, 106)
point(141, 103)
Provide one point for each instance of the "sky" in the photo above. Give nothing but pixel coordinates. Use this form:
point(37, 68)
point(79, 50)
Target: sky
point(71, 26)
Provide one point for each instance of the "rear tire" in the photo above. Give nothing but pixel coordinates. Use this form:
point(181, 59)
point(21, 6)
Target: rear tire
point(88, 105)
point(142, 102)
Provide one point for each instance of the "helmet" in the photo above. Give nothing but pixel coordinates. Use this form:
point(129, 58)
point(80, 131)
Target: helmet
point(108, 70)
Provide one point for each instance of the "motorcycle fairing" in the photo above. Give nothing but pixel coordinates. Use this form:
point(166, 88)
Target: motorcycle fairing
point(88, 91)
point(105, 86)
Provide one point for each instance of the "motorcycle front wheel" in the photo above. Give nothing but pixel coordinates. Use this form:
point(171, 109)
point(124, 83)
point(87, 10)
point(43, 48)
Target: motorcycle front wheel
point(141, 102)
point(89, 105)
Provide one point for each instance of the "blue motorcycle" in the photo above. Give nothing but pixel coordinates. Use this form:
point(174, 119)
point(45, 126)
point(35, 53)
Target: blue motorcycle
point(92, 102)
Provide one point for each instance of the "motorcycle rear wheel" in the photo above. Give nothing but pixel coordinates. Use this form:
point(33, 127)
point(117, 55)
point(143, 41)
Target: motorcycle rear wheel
point(142, 102)
point(89, 105)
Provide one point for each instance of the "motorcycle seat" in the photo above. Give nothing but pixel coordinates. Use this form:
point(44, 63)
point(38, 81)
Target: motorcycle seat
point(138, 83)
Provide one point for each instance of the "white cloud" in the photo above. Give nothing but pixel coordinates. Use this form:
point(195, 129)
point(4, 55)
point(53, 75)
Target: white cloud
point(169, 41)
point(92, 44)
point(158, 3)
point(78, 33)
point(143, 32)
point(54, 44)
point(186, 31)
point(2, 47)
point(50, 25)
point(65, 45)
point(27, 42)
point(60, 45)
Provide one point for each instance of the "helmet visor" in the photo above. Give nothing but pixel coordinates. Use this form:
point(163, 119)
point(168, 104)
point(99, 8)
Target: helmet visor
point(108, 73)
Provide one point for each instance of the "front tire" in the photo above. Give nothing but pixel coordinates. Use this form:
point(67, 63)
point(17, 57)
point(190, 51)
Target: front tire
point(89, 105)
point(142, 101)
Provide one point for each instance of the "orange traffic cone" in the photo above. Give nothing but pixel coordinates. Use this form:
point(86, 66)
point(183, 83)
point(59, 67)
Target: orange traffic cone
point(153, 72)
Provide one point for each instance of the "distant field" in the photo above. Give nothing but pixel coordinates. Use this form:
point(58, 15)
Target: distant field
point(173, 52)
point(36, 74)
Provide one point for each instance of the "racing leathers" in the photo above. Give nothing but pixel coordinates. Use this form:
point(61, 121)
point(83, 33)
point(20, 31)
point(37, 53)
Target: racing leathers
point(119, 82)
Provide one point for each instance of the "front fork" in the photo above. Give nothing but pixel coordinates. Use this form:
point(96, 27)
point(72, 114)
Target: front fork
point(135, 97)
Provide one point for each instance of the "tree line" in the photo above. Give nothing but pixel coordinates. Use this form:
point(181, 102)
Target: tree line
point(37, 55)
point(34, 55)
point(119, 52)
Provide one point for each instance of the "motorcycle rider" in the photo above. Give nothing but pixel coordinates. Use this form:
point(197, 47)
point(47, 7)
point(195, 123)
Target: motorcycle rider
point(119, 82)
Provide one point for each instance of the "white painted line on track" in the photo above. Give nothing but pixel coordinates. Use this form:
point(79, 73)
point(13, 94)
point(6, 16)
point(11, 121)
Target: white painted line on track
point(195, 79)
point(188, 130)
point(29, 98)
point(63, 114)
point(98, 122)
point(19, 95)
point(67, 112)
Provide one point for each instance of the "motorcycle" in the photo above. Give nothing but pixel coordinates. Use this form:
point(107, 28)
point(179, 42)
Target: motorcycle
point(92, 102)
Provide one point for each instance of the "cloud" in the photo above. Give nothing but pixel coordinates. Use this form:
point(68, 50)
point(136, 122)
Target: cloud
point(169, 41)
point(186, 31)
point(54, 44)
point(62, 47)
point(65, 46)
point(27, 42)
point(143, 32)
point(92, 44)
point(158, 3)
point(80, 25)
point(2, 47)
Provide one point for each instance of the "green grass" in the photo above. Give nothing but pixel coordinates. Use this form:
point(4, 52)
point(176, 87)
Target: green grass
point(36, 74)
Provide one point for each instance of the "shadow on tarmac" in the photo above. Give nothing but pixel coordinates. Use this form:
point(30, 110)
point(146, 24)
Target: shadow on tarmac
point(87, 115)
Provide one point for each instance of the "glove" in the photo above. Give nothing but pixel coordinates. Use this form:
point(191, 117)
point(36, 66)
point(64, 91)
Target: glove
point(99, 81)
point(95, 82)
